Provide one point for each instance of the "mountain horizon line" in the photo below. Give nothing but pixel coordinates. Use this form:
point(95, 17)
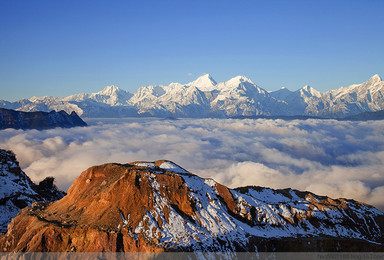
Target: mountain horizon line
point(115, 87)
point(204, 97)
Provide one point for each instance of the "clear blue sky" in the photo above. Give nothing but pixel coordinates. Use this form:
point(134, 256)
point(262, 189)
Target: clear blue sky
point(66, 47)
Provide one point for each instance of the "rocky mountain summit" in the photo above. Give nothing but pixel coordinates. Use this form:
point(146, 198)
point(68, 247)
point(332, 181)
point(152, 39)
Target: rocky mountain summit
point(159, 206)
point(204, 97)
point(18, 191)
point(38, 120)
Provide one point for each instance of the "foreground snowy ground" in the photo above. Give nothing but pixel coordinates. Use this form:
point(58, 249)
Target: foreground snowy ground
point(337, 159)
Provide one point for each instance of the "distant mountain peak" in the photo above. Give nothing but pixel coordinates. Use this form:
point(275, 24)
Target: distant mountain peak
point(310, 91)
point(109, 90)
point(204, 82)
point(284, 89)
point(206, 76)
point(241, 78)
point(237, 81)
point(375, 78)
point(281, 94)
point(234, 97)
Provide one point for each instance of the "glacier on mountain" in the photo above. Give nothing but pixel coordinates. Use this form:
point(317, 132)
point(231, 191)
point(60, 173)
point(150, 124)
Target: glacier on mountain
point(204, 97)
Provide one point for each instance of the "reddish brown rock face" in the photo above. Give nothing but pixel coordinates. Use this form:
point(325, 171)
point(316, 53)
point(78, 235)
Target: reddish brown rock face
point(88, 218)
point(153, 207)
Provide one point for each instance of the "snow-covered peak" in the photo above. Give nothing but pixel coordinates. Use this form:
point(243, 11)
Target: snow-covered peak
point(204, 97)
point(173, 167)
point(234, 83)
point(240, 79)
point(111, 95)
point(281, 94)
point(109, 90)
point(43, 98)
point(204, 82)
point(375, 78)
point(174, 85)
point(309, 91)
point(373, 85)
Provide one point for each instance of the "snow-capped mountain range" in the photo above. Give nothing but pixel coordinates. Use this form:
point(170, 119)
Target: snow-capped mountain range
point(204, 97)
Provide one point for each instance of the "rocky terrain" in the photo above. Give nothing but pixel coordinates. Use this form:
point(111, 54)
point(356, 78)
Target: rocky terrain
point(159, 206)
point(38, 120)
point(18, 191)
point(204, 97)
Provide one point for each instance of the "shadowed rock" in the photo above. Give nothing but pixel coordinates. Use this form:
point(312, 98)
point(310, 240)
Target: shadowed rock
point(18, 191)
point(38, 120)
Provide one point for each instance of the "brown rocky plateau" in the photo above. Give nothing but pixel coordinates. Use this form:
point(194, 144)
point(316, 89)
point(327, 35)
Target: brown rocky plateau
point(159, 206)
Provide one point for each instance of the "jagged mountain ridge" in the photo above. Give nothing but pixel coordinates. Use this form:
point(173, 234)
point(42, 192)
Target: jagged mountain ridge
point(38, 120)
point(18, 191)
point(352, 100)
point(204, 97)
point(159, 206)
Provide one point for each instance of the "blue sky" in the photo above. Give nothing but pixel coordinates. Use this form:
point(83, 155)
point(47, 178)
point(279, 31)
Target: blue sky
point(66, 47)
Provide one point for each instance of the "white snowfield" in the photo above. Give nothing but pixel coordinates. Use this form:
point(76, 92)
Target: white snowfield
point(170, 166)
point(145, 164)
point(204, 97)
point(261, 212)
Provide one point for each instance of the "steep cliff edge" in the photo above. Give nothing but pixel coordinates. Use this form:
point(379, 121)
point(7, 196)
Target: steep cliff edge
point(38, 120)
point(18, 191)
point(159, 206)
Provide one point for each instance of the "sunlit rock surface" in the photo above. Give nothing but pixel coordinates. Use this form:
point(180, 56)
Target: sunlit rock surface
point(159, 206)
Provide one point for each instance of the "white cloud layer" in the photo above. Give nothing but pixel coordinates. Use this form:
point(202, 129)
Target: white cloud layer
point(337, 159)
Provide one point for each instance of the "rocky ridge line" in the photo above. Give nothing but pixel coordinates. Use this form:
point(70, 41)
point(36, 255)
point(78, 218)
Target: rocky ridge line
point(17, 191)
point(38, 120)
point(159, 206)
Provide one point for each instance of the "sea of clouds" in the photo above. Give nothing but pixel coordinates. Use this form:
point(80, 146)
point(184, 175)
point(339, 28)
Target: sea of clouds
point(327, 157)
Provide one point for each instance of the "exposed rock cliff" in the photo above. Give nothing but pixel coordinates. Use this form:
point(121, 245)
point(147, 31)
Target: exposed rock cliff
point(159, 206)
point(18, 191)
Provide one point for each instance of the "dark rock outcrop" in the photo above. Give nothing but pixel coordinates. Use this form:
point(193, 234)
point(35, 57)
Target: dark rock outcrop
point(18, 191)
point(159, 206)
point(38, 120)
point(378, 115)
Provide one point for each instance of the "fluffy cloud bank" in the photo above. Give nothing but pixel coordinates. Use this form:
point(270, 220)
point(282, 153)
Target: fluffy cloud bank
point(337, 159)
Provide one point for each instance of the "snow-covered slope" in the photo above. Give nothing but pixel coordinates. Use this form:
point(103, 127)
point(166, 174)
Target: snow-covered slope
point(240, 96)
point(346, 101)
point(204, 97)
point(109, 102)
point(297, 101)
point(175, 99)
point(110, 95)
point(17, 190)
point(159, 206)
point(204, 83)
point(281, 94)
point(235, 215)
